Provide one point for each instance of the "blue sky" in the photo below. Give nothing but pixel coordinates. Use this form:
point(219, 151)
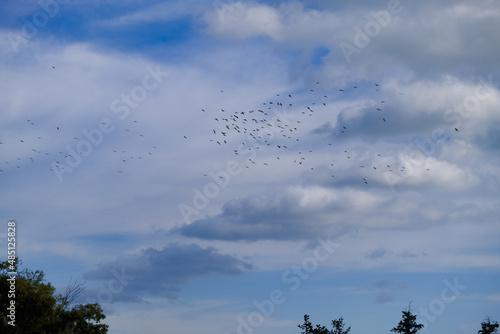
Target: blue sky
point(227, 167)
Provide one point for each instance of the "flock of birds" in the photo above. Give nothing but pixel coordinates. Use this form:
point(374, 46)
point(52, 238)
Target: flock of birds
point(55, 147)
point(39, 147)
point(276, 128)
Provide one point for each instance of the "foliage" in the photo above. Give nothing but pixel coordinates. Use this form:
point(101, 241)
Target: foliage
point(39, 311)
point(408, 325)
point(338, 327)
point(488, 327)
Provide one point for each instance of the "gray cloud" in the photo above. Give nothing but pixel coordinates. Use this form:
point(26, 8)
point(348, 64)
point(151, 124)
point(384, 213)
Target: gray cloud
point(384, 297)
point(378, 253)
point(162, 272)
point(255, 218)
point(303, 213)
point(384, 288)
point(386, 284)
point(418, 40)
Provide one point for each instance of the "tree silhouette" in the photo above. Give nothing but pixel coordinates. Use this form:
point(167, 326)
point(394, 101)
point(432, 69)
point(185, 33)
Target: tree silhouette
point(488, 327)
point(337, 327)
point(408, 325)
point(38, 310)
point(74, 292)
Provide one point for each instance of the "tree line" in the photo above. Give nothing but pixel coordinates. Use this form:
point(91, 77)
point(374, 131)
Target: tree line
point(407, 325)
point(37, 309)
point(28, 304)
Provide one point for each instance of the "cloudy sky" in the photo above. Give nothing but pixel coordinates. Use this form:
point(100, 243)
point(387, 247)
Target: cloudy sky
point(227, 167)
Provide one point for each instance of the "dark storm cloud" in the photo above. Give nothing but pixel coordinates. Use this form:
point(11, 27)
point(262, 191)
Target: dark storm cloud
point(162, 272)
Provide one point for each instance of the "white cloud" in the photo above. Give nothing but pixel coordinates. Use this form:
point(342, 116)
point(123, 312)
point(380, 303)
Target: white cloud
point(243, 20)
